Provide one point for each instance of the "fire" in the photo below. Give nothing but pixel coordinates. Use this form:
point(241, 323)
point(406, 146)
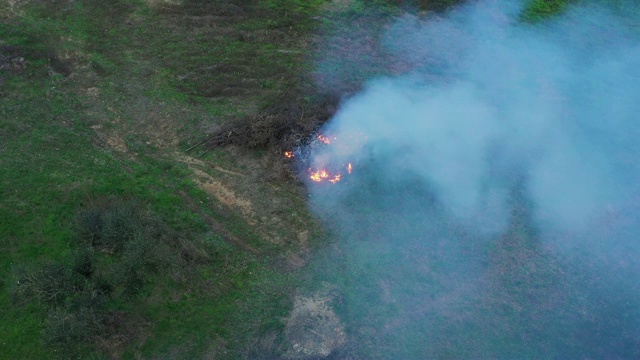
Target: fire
point(319, 175)
point(331, 174)
point(324, 139)
point(324, 175)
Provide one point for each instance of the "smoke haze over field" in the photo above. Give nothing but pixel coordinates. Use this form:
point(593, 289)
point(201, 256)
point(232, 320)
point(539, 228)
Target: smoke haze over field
point(492, 210)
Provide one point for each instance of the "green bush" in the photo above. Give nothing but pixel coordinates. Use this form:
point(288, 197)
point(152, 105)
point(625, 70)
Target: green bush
point(83, 262)
point(541, 9)
point(119, 247)
point(108, 227)
point(132, 282)
point(428, 5)
point(89, 225)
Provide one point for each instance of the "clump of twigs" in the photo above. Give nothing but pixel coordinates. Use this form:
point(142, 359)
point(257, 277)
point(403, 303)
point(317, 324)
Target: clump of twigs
point(284, 124)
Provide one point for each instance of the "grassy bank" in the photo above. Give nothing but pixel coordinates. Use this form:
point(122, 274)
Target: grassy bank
point(96, 99)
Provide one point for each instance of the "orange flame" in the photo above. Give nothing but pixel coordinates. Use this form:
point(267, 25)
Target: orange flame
point(334, 174)
point(324, 139)
point(322, 175)
point(319, 175)
point(288, 154)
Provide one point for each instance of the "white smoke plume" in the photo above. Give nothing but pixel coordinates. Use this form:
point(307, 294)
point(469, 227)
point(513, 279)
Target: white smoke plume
point(494, 194)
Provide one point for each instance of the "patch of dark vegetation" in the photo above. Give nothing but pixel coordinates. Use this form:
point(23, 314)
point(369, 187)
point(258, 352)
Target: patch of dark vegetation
point(538, 10)
point(212, 8)
point(15, 58)
point(425, 5)
point(438, 5)
point(282, 125)
point(112, 226)
point(121, 248)
point(58, 65)
point(12, 58)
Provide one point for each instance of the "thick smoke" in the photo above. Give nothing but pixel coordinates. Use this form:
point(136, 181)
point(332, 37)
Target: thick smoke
point(492, 209)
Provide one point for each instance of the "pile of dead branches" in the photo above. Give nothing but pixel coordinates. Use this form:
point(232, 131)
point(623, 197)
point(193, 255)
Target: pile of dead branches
point(283, 125)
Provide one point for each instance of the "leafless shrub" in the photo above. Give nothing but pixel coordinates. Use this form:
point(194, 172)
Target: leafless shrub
point(67, 328)
point(286, 123)
point(49, 283)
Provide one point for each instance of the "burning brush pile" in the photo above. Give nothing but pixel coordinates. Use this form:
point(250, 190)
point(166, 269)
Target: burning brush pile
point(324, 158)
point(288, 128)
